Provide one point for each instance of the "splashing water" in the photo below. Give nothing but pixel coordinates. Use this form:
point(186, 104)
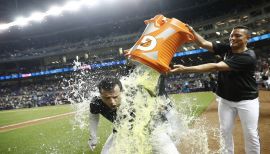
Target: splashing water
point(81, 89)
point(140, 114)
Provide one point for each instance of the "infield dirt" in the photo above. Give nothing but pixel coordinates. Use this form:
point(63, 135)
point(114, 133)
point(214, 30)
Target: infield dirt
point(264, 125)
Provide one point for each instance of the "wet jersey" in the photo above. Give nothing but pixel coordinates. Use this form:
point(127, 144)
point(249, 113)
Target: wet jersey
point(98, 107)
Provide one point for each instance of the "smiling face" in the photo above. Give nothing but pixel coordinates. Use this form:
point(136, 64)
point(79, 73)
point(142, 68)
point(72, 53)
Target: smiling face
point(111, 98)
point(238, 39)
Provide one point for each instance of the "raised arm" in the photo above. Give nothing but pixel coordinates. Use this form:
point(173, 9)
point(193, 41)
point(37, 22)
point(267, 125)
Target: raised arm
point(200, 41)
point(209, 67)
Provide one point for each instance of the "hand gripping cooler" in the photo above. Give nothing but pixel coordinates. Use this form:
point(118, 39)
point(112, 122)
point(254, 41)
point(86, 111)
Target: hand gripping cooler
point(159, 42)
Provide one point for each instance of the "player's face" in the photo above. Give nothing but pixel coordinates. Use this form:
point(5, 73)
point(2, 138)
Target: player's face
point(238, 39)
point(111, 98)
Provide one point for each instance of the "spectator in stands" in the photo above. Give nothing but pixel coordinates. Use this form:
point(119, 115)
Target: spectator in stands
point(237, 88)
point(212, 82)
point(185, 88)
point(265, 76)
point(28, 95)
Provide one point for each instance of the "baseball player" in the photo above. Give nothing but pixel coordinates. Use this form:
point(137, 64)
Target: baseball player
point(107, 104)
point(236, 90)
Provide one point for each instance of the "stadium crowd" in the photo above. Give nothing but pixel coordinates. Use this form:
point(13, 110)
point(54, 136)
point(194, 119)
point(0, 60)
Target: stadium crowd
point(191, 82)
point(67, 47)
point(29, 95)
point(263, 73)
point(53, 92)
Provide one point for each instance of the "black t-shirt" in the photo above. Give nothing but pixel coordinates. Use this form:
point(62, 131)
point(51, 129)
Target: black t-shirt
point(98, 107)
point(239, 83)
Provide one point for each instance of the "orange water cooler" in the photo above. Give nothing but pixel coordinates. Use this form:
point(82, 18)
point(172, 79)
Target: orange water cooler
point(159, 42)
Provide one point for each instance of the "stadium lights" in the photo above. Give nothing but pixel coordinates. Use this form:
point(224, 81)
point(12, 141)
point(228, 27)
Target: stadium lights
point(37, 16)
point(20, 21)
point(4, 26)
point(89, 3)
point(53, 11)
point(110, 1)
point(72, 6)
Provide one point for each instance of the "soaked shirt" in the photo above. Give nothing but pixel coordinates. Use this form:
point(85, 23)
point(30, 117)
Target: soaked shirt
point(98, 107)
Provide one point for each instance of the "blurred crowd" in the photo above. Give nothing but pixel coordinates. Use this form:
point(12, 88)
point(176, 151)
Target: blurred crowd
point(263, 73)
point(27, 95)
point(192, 82)
point(54, 91)
point(67, 47)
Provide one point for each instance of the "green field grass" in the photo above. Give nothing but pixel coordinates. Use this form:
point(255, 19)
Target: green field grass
point(60, 136)
point(193, 103)
point(21, 115)
point(56, 136)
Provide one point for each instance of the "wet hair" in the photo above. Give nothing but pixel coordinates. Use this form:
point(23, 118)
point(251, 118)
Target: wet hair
point(243, 27)
point(108, 84)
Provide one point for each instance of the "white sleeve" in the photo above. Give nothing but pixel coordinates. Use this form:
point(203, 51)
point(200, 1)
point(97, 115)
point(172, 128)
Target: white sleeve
point(93, 121)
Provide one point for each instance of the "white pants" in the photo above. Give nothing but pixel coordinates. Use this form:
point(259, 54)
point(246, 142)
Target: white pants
point(248, 112)
point(162, 136)
point(162, 143)
point(108, 144)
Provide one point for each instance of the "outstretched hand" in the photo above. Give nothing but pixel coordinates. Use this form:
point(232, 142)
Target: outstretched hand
point(177, 69)
point(92, 143)
point(190, 28)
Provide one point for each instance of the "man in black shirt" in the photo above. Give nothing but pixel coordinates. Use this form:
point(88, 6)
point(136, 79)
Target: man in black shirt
point(237, 89)
point(106, 104)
